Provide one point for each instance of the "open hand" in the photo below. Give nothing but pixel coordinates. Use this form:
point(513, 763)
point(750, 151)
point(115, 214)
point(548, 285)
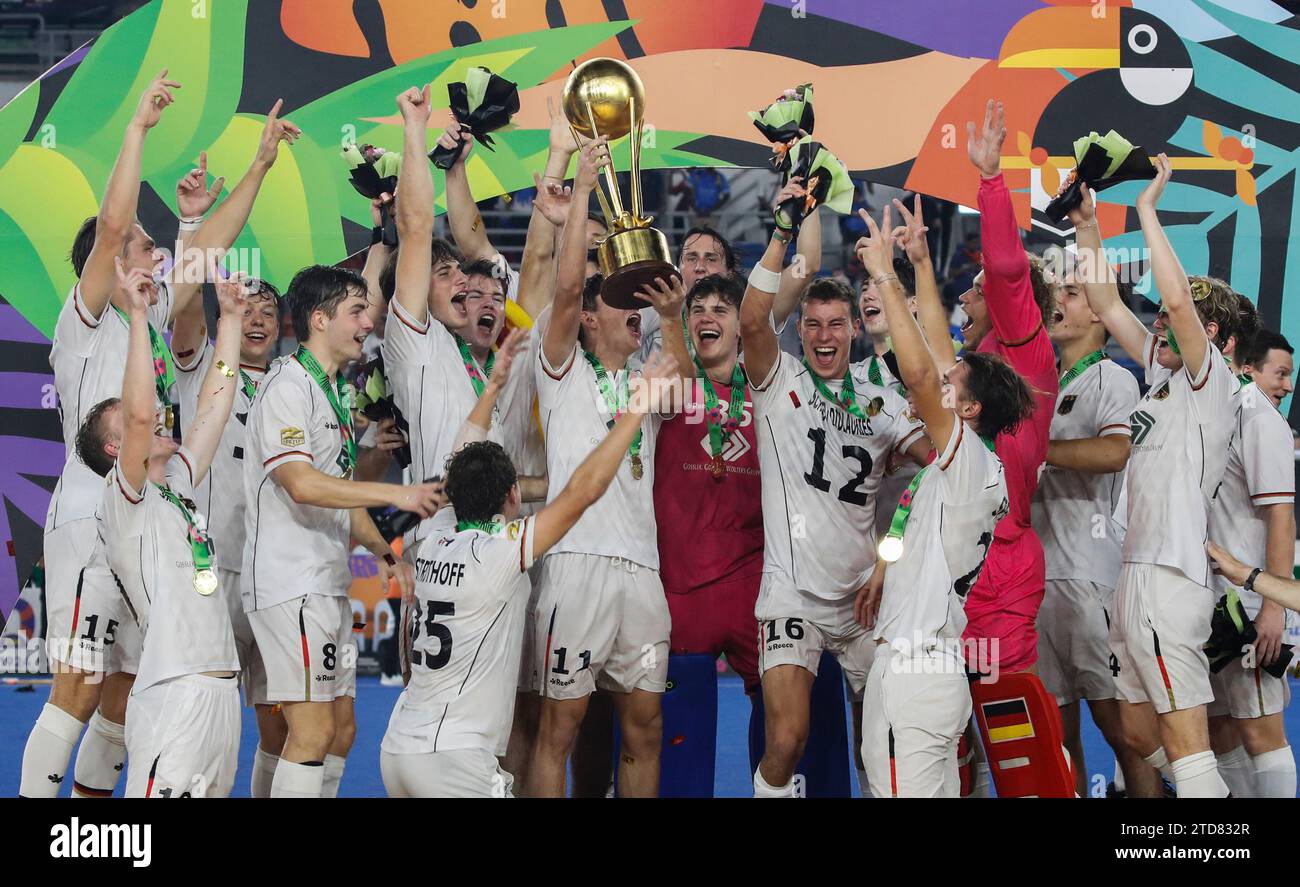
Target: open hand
point(985, 147)
point(552, 200)
point(1150, 195)
point(1226, 565)
point(157, 96)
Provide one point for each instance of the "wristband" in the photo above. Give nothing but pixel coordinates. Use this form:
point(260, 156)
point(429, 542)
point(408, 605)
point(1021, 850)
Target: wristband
point(191, 224)
point(1085, 226)
point(1249, 584)
point(389, 559)
point(882, 278)
point(782, 235)
point(376, 235)
point(764, 280)
point(225, 370)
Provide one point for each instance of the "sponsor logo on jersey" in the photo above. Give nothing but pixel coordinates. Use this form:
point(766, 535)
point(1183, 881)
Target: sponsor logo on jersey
point(1162, 392)
point(1140, 425)
point(735, 447)
point(292, 437)
point(1067, 404)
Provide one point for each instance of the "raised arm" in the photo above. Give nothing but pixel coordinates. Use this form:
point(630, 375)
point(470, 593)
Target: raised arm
point(570, 275)
point(929, 307)
point(916, 366)
point(1099, 283)
point(376, 259)
point(592, 478)
point(550, 209)
point(668, 298)
point(1006, 286)
point(139, 394)
point(193, 199)
point(117, 210)
point(414, 208)
point(467, 227)
point(762, 347)
point(217, 394)
point(808, 256)
point(1170, 278)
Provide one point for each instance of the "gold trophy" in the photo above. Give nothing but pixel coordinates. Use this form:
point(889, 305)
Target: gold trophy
point(605, 97)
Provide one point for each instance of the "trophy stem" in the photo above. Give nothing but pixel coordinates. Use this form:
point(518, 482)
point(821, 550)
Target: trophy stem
point(634, 148)
point(610, 181)
point(600, 195)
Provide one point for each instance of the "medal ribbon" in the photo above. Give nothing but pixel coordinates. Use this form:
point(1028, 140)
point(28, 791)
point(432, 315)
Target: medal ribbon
point(845, 399)
point(200, 542)
point(476, 376)
point(250, 387)
point(164, 370)
point(612, 401)
point(873, 371)
point(720, 431)
point(898, 523)
point(337, 395)
point(1077, 370)
point(491, 527)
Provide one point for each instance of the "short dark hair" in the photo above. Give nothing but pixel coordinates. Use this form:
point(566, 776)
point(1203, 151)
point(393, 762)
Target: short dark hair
point(443, 251)
point(485, 268)
point(479, 478)
point(728, 254)
point(906, 275)
point(320, 288)
point(1004, 397)
point(830, 289)
point(1255, 350)
point(261, 288)
point(1248, 324)
point(724, 286)
point(590, 290)
point(89, 443)
point(82, 244)
point(1219, 303)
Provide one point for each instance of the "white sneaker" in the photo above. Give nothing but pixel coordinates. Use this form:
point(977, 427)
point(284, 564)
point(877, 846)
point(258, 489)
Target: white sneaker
point(390, 680)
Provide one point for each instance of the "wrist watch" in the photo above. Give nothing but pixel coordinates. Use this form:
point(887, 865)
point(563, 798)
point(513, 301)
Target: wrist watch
point(1249, 584)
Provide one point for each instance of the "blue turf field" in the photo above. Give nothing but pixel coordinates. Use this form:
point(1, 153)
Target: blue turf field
point(18, 711)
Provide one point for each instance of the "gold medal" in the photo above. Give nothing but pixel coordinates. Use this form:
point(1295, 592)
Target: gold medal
point(716, 468)
point(169, 418)
point(637, 469)
point(205, 582)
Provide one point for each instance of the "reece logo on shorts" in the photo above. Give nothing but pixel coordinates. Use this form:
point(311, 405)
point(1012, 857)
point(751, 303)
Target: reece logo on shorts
point(102, 841)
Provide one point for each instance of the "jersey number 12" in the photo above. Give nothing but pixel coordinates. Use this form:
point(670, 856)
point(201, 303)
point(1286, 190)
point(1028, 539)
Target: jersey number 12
point(816, 478)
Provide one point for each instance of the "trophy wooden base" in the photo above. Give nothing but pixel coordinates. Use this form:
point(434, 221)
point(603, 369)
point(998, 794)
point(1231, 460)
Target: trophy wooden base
point(630, 260)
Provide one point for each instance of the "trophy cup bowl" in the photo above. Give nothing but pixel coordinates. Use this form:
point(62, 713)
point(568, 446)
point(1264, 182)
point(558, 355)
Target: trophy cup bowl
point(605, 97)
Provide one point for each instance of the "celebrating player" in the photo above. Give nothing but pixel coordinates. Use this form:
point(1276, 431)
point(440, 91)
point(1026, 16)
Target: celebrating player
point(1181, 432)
point(301, 510)
point(824, 440)
point(917, 700)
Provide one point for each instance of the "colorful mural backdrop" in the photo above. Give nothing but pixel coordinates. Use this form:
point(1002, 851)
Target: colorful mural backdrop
point(1216, 85)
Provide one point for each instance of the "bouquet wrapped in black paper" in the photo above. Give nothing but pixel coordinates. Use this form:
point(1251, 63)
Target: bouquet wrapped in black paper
point(1101, 161)
point(374, 174)
point(784, 121)
point(1231, 632)
point(376, 404)
point(824, 177)
point(483, 104)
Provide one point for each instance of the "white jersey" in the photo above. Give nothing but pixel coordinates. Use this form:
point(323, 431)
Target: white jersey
point(1181, 430)
point(959, 499)
point(1072, 509)
point(1260, 472)
point(291, 549)
point(88, 356)
point(821, 470)
point(146, 539)
point(467, 628)
point(220, 495)
point(574, 420)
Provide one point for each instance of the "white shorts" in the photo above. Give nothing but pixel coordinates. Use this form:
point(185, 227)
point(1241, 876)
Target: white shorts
point(307, 648)
point(1074, 641)
point(1159, 621)
point(794, 631)
point(1247, 693)
point(458, 773)
point(914, 711)
point(598, 622)
point(252, 670)
point(182, 738)
point(89, 625)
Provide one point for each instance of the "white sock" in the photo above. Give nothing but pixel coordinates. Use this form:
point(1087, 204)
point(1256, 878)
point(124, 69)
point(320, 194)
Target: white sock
point(297, 780)
point(264, 764)
point(49, 748)
point(1237, 771)
point(1275, 773)
point(863, 785)
point(1119, 778)
point(1197, 776)
point(100, 759)
point(333, 775)
point(1160, 761)
point(763, 790)
point(981, 781)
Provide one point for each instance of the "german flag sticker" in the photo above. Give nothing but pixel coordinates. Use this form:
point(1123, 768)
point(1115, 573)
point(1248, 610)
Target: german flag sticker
point(1008, 720)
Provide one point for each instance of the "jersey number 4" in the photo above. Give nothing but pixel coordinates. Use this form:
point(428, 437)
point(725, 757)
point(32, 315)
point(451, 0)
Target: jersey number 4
point(434, 630)
point(816, 478)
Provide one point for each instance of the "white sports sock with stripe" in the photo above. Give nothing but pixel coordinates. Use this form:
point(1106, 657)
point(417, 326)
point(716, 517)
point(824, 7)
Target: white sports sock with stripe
point(1160, 761)
point(1275, 775)
point(1197, 776)
point(334, 765)
point(763, 790)
point(49, 748)
point(298, 780)
point(1119, 778)
point(264, 764)
point(1237, 771)
point(100, 759)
